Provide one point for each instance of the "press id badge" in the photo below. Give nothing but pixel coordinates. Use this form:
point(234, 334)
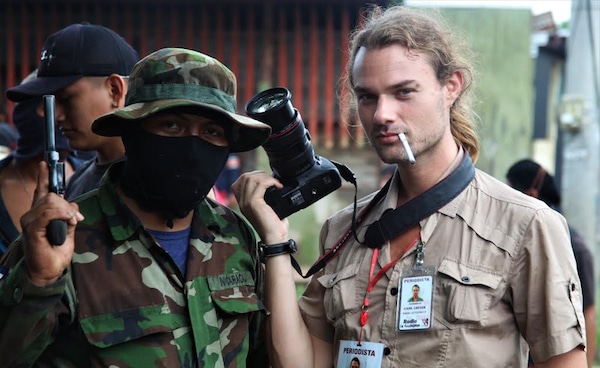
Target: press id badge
point(363, 354)
point(415, 302)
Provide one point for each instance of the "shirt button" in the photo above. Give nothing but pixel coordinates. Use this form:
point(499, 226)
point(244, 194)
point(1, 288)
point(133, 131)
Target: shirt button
point(17, 295)
point(386, 351)
point(465, 279)
point(394, 291)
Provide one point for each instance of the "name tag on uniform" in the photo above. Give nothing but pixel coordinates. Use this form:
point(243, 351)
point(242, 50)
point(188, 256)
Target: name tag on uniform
point(415, 302)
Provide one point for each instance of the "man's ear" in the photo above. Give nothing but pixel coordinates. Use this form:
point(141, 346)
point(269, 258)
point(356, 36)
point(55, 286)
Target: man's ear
point(454, 85)
point(117, 87)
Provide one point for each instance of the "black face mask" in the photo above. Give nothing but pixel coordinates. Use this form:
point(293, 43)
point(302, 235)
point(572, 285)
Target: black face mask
point(170, 175)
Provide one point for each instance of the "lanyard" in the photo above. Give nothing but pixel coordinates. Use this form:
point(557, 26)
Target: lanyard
point(364, 315)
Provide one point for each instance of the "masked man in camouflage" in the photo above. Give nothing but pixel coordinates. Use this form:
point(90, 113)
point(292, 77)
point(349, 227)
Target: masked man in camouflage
point(152, 273)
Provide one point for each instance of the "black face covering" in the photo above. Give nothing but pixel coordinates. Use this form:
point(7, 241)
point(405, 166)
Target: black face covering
point(170, 175)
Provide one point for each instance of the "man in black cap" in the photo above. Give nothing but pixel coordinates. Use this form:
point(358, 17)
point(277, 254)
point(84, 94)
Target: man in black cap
point(86, 67)
point(19, 170)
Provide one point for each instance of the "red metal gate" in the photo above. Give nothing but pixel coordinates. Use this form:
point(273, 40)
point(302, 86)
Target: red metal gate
point(300, 45)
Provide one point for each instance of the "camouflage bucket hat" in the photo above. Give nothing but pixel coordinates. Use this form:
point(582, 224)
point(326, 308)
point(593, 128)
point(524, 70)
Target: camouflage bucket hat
point(176, 78)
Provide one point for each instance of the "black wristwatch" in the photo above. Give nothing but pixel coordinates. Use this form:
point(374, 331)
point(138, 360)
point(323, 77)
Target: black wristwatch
point(266, 251)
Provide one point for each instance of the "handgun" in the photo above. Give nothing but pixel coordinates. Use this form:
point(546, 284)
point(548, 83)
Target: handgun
point(56, 231)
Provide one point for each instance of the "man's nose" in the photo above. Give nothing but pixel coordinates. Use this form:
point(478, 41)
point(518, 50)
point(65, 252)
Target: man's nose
point(386, 110)
point(59, 112)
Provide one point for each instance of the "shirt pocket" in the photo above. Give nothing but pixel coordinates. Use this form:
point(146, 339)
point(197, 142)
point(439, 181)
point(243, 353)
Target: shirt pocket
point(235, 310)
point(340, 292)
point(149, 324)
point(465, 294)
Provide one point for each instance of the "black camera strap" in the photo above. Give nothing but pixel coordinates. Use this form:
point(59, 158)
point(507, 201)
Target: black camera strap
point(410, 213)
point(402, 218)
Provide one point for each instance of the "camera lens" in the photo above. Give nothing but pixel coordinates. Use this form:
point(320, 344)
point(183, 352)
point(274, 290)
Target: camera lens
point(273, 107)
point(289, 150)
point(263, 103)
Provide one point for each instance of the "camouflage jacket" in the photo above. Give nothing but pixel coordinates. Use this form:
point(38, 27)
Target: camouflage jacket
point(124, 302)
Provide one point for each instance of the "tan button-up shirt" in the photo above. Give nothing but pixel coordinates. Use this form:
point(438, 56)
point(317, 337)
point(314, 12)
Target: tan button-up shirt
point(506, 282)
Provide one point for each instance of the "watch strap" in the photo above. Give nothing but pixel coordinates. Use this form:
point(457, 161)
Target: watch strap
point(272, 250)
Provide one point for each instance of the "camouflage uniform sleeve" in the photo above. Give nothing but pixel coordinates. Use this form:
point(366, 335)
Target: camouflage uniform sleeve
point(257, 354)
point(27, 314)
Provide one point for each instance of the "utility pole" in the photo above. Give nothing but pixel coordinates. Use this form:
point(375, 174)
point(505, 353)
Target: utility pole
point(580, 124)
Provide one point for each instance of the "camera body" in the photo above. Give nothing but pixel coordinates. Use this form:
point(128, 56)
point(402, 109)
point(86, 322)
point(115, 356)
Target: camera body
point(305, 189)
point(306, 177)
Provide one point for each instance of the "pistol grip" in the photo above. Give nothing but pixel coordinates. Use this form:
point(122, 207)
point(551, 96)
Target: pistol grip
point(56, 232)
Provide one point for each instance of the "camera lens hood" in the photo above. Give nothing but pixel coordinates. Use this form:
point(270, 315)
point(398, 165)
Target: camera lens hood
point(272, 107)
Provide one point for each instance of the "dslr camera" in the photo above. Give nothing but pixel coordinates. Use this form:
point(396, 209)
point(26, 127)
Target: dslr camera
point(306, 177)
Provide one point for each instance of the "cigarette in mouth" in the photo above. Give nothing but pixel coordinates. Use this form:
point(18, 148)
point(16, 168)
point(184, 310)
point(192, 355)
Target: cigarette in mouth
point(411, 157)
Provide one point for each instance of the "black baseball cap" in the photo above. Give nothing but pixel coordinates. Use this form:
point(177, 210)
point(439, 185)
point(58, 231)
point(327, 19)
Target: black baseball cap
point(76, 51)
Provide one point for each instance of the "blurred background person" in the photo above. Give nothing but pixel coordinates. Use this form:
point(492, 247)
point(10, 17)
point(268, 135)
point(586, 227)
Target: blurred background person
point(8, 135)
point(532, 179)
point(222, 189)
